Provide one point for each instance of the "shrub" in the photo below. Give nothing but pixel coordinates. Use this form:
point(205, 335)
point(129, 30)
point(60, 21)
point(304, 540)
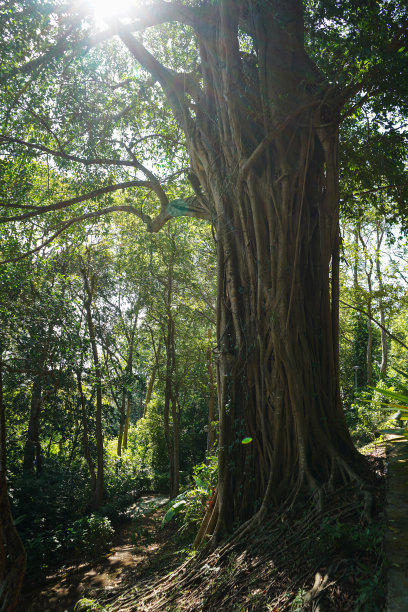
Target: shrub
point(191, 504)
point(90, 535)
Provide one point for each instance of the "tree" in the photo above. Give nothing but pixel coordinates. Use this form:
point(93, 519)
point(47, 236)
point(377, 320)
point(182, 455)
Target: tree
point(257, 90)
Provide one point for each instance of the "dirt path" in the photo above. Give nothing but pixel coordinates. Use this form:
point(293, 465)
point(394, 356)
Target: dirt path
point(140, 548)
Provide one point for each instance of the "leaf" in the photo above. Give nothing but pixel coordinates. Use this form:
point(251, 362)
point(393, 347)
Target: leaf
point(19, 519)
point(246, 441)
point(393, 395)
point(173, 511)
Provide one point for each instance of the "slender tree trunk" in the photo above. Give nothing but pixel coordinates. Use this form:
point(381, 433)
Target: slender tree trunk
point(168, 400)
point(127, 393)
point(122, 423)
point(32, 448)
point(99, 486)
point(211, 401)
point(369, 302)
point(152, 379)
point(12, 553)
point(175, 415)
point(85, 437)
point(370, 334)
point(384, 345)
point(127, 423)
point(74, 443)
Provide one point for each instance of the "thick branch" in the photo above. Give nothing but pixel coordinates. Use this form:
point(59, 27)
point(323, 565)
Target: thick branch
point(173, 85)
point(176, 208)
point(160, 12)
point(91, 215)
point(155, 183)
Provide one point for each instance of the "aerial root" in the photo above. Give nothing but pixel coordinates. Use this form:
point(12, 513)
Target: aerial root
point(208, 523)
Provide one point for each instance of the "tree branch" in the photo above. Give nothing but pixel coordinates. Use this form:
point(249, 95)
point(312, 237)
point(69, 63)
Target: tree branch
point(172, 84)
point(74, 158)
point(91, 215)
point(66, 203)
point(364, 312)
point(155, 14)
point(384, 188)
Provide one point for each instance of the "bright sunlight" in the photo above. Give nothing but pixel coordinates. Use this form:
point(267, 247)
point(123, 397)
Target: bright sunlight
point(104, 9)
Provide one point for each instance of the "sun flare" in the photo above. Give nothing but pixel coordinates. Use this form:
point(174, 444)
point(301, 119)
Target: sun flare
point(103, 9)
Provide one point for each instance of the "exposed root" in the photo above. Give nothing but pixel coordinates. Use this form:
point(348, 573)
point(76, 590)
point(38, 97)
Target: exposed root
point(208, 523)
point(269, 559)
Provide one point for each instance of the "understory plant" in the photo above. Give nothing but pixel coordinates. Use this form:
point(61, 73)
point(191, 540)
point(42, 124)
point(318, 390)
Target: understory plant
point(190, 505)
point(396, 400)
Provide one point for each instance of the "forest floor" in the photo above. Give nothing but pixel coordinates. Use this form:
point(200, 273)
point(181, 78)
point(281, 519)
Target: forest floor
point(140, 549)
point(343, 573)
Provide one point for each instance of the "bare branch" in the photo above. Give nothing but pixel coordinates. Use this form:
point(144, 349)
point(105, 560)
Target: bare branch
point(364, 312)
point(375, 189)
point(91, 215)
point(66, 203)
point(102, 161)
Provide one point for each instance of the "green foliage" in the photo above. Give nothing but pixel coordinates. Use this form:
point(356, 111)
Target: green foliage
point(147, 444)
point(88, 605)
point(396, 400)
point(90, 535)
point(342, 537)
point(190, 505)
point(370, 589)
point(364, 418)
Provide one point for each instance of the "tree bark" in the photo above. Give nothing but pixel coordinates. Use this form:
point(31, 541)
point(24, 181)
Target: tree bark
point(127, 423)
point(12, 553)
point(99, 485)
point(211, 401)
point(263, 146)
point(32, 448)
point(85, 437)
point(152, 379)
point(122, 423)
point(369, 303)
point(384, 345)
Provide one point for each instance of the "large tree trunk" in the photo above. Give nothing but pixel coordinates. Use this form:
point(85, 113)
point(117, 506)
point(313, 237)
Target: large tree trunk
point(263, 146)
point(272, 177)
point(12, 553)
